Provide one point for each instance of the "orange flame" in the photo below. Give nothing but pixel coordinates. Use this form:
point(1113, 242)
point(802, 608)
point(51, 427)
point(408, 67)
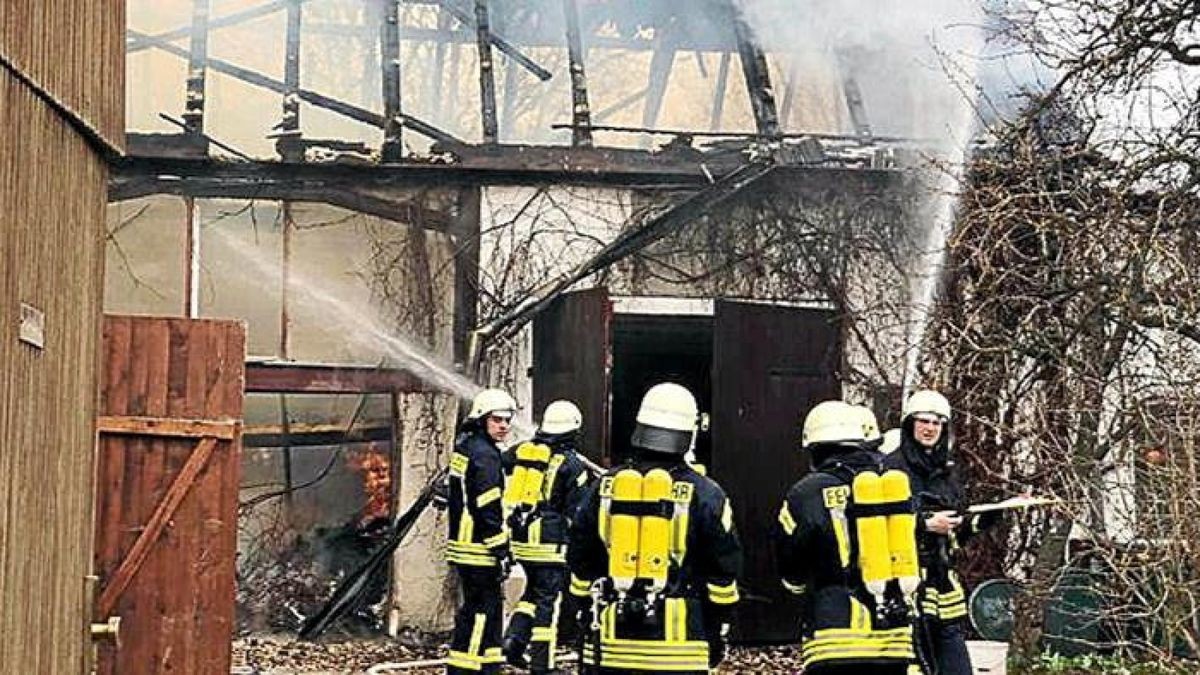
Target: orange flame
point(375, 468)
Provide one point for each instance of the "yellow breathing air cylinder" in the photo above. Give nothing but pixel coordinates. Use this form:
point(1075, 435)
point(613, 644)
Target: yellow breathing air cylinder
point(623, 530)
point(654, 547)
point(514, 490)
point(874, 556)
point(902, 527)
point(535, 476)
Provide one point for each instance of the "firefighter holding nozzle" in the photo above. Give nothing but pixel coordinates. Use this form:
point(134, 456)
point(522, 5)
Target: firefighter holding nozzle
point(924, 454)
point(653, 547)
point(547, 480)
point(845, 542)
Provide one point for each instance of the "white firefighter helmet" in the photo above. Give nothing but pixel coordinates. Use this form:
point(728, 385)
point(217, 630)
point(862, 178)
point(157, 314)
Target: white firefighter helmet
point(891, 441)
point(667, 419)
point(561, 417)
point(492, 402)
point(870, 425)
point(833, 422)
point(927, 401)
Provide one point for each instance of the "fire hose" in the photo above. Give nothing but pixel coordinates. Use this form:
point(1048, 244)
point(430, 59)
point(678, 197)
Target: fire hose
point(348, 594)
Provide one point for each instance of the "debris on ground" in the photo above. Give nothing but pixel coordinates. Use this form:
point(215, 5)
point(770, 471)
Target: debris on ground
point(286, 655)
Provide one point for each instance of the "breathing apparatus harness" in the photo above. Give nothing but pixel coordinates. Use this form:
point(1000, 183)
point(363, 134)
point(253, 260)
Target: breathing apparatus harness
point(643, 524)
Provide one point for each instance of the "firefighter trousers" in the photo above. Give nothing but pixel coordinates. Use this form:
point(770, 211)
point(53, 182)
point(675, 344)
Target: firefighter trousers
point(533, 627)
point(949, 644)
point(475, 644)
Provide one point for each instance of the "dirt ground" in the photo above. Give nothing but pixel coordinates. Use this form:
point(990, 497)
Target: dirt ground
point(285, 655)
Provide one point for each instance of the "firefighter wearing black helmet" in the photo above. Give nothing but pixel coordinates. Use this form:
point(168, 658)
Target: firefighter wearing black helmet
point(546, 481)
point(478, 543)
point(924, 454)
point(654, 551)
point(833, 549)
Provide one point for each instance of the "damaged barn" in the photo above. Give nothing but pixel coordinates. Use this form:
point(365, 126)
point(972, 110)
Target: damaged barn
point(401, 201)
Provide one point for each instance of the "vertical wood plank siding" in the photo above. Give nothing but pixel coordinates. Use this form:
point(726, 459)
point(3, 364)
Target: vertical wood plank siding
point(76, 50)
point(52, 198)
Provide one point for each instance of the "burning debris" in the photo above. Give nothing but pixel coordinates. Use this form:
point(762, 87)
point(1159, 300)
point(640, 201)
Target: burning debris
point(289, 569)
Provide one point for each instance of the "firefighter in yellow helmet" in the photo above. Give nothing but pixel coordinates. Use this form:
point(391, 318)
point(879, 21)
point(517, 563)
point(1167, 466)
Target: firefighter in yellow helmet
point(546, 481)
point(654, 548)
point(478, 543)
point(924, 454)
point(845, 543)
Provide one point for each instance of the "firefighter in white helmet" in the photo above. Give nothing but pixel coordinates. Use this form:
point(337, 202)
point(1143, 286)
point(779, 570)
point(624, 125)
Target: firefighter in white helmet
point(478, 545)
point(546, 482)
point(845, 543)
point(655, 550)
point(924, 453)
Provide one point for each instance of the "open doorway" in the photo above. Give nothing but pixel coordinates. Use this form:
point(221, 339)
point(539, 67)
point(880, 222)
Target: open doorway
point(652, 348)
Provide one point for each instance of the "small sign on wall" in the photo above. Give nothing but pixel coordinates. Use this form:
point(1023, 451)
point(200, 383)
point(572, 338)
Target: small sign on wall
point(33, 326)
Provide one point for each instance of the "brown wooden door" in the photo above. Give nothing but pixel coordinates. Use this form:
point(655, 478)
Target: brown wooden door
point(572, 359)
point(770, 365)
point(168, 435)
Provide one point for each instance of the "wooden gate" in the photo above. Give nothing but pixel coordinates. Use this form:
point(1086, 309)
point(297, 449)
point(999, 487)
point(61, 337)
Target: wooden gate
point(168, 437)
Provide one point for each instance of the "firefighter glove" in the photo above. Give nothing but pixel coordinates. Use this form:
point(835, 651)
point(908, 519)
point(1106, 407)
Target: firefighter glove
point(504, 562)
point(942, 522)
point(441, 494)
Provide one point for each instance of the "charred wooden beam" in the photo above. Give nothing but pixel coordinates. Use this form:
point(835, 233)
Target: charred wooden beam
point(437, 74)
point(719, 91)
point(136, 43)
point(487, 74)
point(504, 46)
point(338, 191)
point(139, 176)
point(758, 76)
point(320, 100)
point(287, 144)
point(298, 378)
point(660, 74)
point(618, 106)
point(789, 89)
point(581, 114)
point(853, 94)
point(464, 231)
point(389, 49)
point(193, 111)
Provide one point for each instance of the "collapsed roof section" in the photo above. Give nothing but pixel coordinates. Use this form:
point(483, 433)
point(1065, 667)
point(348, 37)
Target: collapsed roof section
point(495, 91)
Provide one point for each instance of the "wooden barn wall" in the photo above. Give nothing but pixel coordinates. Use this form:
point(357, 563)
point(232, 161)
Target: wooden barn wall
point(52, 200)
point(75, 49)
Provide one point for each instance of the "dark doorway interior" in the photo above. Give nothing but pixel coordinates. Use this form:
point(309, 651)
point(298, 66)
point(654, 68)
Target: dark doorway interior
point(652, 348)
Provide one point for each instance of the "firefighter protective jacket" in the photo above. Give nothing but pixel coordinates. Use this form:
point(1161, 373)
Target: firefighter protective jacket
point(816, 547)
point(705, 559)
point(541, 534)
point(477, 535)
point(936, 487)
